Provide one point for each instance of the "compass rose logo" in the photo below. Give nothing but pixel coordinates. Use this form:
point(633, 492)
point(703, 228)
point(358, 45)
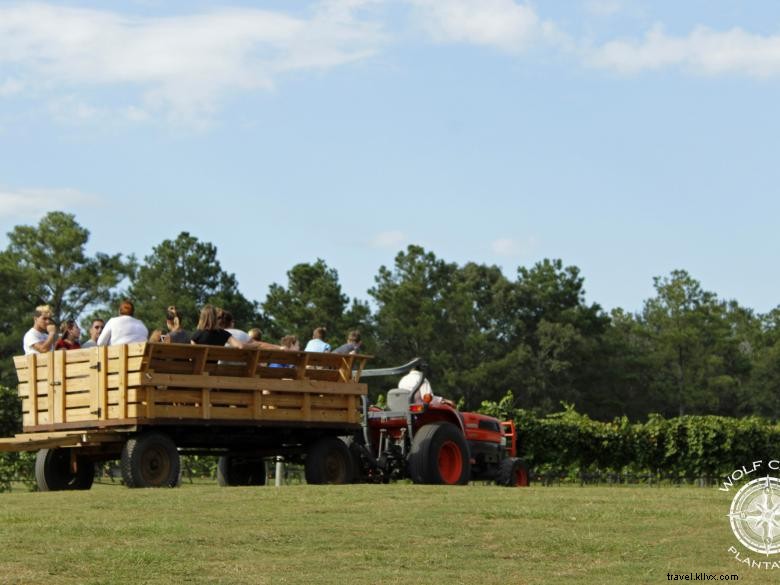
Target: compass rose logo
point(755, 515)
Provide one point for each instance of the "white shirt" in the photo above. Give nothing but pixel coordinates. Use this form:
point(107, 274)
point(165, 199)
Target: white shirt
point(410, 380)
point(32, 337)
point(123, 329)
point(239, 335)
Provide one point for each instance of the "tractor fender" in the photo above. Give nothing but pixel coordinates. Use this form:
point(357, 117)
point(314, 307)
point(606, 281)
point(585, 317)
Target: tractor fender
point(440, 413)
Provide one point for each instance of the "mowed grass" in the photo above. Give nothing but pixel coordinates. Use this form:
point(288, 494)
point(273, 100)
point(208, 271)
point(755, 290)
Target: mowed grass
point(367, 534)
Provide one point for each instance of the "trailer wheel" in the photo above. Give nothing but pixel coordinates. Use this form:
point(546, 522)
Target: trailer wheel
point(512, 473)
point(439, 455)
point(359, 466)
point(53, 471)
point(150, 460)
point(233, 470)
point(329, 461)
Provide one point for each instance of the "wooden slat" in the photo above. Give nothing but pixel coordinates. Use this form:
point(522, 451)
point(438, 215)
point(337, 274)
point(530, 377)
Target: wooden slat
point(150, 398)
point(59, 392)
point(103, 387)
point(251, 365)
point(177, 411)
point(330, 401)
point(352, 410)
point(285, 401)
point(218, 397)
point(257, 404)
point(199, 361)
point(32, 367)
point(221, 412)
point(206, 403)
point(325, 375)
point(187, 381)
point(177, 395)
point(122, 398)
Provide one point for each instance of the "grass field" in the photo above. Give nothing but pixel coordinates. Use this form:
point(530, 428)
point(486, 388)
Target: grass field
point(368, 534)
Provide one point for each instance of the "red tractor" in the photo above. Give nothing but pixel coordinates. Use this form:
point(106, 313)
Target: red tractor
point(427, 439)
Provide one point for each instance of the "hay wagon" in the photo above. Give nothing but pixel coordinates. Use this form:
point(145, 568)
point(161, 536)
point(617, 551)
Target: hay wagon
point(145, 403)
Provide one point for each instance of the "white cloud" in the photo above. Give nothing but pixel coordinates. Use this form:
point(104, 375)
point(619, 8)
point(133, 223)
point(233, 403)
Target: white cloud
point(390, 239)
point(182, 65)
point(703, 51)
point(512, 247)
point(10, 86)
point(33, 203)
point(502, 24)
point(604, 7)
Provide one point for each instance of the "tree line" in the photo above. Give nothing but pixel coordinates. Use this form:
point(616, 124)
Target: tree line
point(483, 333)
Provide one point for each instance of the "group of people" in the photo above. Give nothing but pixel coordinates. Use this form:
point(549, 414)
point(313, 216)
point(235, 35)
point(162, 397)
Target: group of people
point(215, 327)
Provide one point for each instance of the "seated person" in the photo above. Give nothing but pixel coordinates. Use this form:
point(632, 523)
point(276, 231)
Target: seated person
point(425, 392)
point(175, 332)
point(69, 335)
point(317, 343)
point(352, 345)
point(288, 343)
point(123, 329)
point(40, 338)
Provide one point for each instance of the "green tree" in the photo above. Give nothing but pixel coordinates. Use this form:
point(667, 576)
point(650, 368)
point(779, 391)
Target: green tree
point(452, 316)
point(48, 264)
point(701, 347)
point(561, 335)
point(313, 298)
point(57, 270)
point(185, 272)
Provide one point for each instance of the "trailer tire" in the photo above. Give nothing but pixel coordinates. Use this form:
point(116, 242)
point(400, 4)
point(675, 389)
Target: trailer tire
point(329, 461)
point(233, 470)
point(150, 460)
point(439, 455)
point(53, 472)
point(359, 466)
point(513, 472)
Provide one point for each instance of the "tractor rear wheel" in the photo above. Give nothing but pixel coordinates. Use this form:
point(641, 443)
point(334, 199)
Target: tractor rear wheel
point(233, 470)
point(439, 455)
point(512, 473)
point(150, 460)
point(53, 471)
point(329, 461)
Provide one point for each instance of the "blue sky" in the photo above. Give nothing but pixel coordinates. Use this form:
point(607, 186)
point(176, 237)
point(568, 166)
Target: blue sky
point(627, 138)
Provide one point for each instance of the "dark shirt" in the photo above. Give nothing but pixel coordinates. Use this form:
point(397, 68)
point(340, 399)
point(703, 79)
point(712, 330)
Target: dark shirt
point(179, 336)
point(211, 336)
point(347, 348)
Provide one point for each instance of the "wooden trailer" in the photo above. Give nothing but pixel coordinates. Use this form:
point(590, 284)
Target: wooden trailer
point(144, 403)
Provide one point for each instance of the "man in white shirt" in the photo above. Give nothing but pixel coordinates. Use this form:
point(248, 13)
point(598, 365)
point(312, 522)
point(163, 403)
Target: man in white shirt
point(40, 338)
point(94, 333)
point(123, 329)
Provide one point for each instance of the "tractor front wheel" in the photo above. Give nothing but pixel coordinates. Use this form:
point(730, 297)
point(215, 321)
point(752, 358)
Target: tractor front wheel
point(512, 473)
point(439, 455)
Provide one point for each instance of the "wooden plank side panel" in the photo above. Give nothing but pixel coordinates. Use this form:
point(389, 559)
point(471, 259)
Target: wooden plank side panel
point(122, 382)
point(102, 409)
point(58, 412)
point(285, 385)
point(324, 375)
point(231, 413)
point(32, 368)
point(222, 398)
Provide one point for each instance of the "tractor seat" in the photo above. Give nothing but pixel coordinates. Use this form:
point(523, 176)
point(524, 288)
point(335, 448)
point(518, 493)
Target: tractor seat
point(398, 399)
